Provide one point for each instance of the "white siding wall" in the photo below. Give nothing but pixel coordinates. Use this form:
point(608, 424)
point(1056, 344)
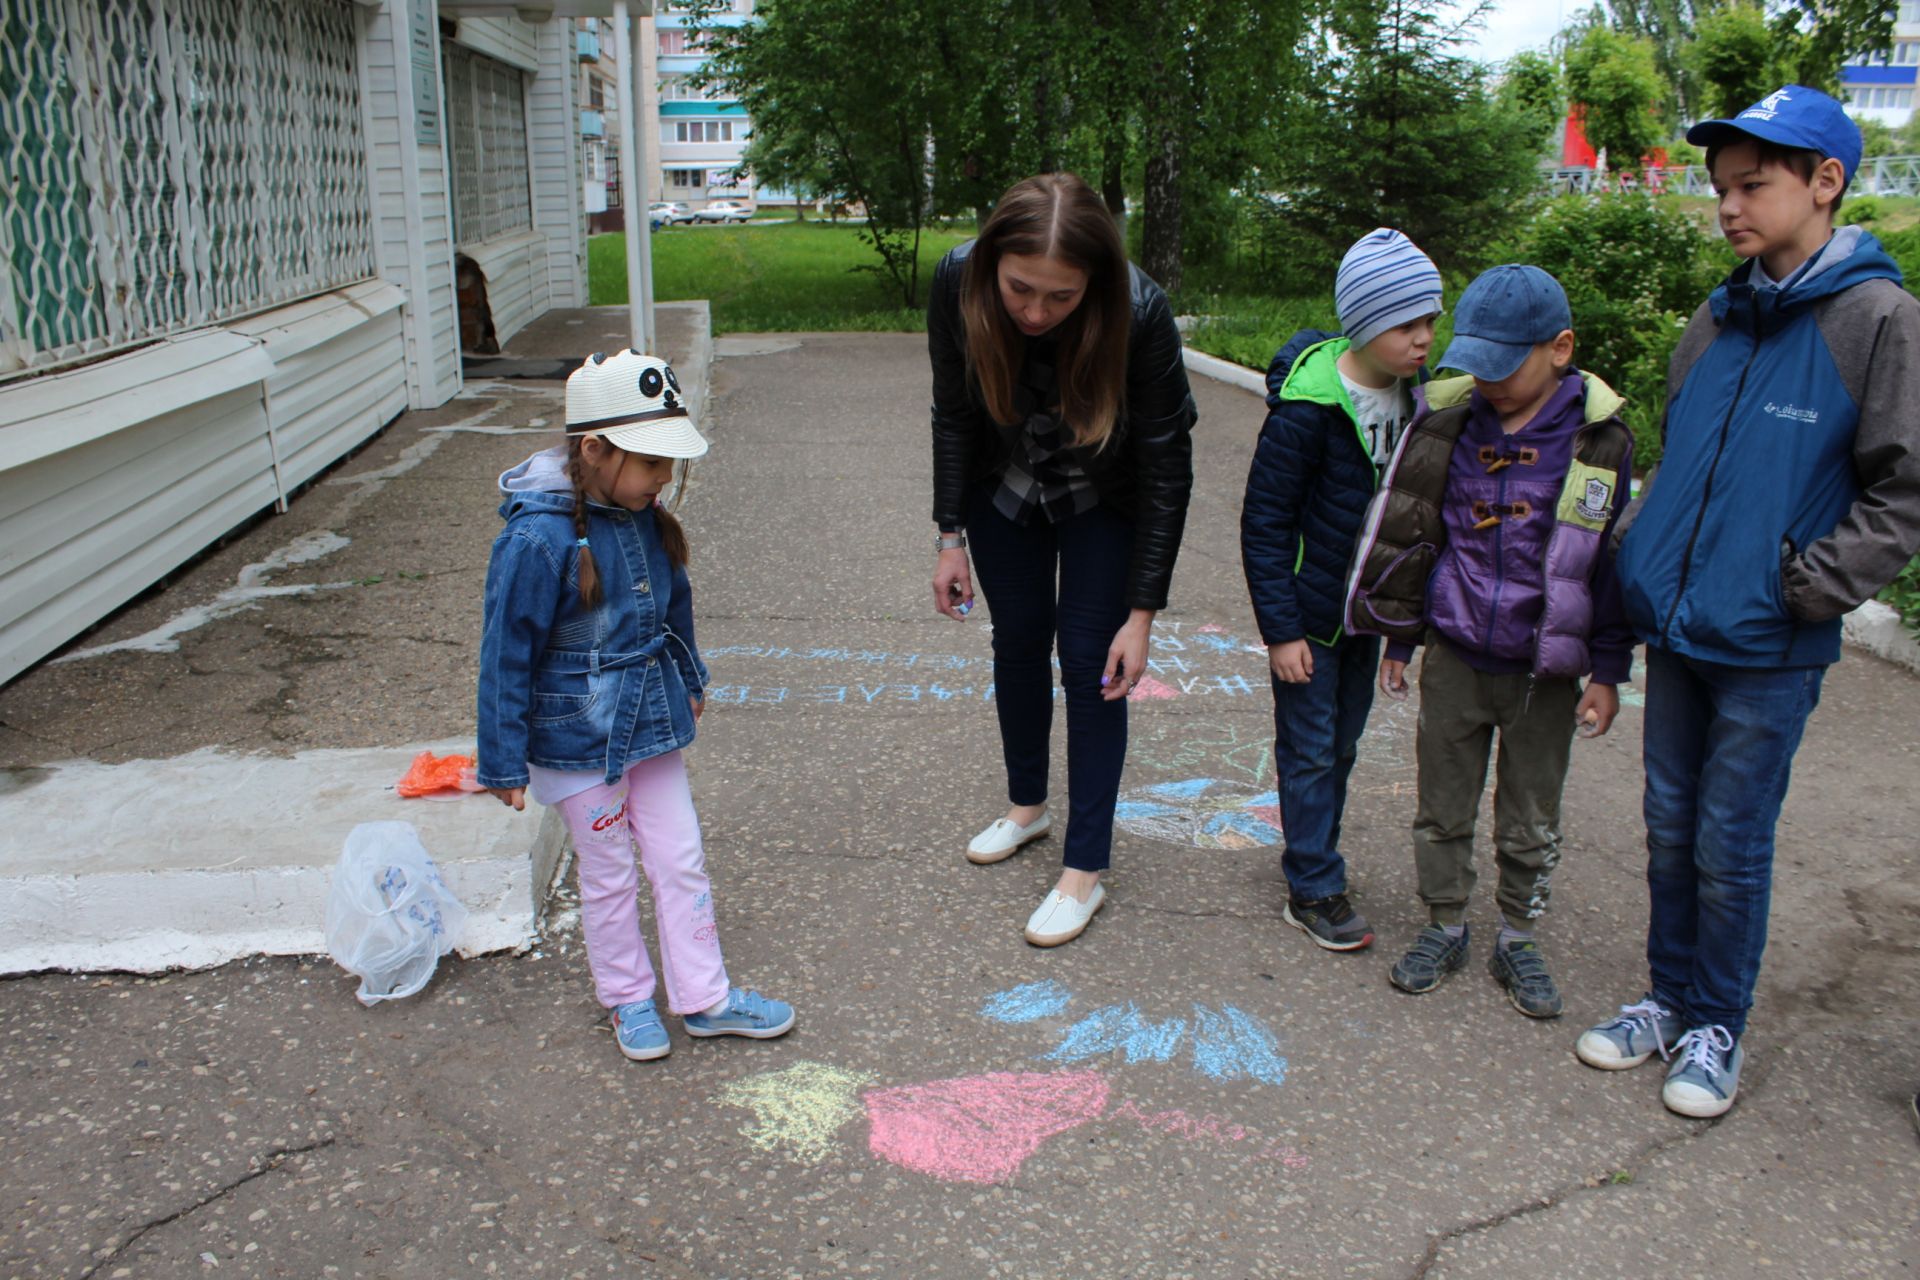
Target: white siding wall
point(509, 40)
point(512, 265)
point(554, 136)
point(413, 219)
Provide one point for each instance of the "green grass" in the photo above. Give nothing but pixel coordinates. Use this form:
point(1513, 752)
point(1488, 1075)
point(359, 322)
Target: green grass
point(1249, 329)
point(789, 277)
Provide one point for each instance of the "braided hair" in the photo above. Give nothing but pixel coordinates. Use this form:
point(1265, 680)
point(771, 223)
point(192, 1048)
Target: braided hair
point(673, 535)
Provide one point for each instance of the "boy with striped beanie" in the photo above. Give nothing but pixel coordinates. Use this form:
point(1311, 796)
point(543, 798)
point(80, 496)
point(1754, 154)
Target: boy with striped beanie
point(1336, 405)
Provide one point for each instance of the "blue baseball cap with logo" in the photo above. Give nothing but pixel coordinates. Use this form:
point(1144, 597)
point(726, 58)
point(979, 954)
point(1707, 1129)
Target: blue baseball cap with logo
point(1501, 317)
point(1795, 116)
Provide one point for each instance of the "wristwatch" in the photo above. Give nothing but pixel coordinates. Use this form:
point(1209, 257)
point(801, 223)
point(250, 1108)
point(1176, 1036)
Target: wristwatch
point(945, 541)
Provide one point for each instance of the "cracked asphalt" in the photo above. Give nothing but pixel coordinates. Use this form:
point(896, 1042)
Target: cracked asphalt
point(1188, 1090)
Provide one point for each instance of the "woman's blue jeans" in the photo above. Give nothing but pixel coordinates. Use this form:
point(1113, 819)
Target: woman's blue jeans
point(1064, 581)
point(1719, 746)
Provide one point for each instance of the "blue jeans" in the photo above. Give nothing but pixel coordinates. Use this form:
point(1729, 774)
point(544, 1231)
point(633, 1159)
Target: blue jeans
point(1316, 736)
point(1719, 745)
point(1065, 580)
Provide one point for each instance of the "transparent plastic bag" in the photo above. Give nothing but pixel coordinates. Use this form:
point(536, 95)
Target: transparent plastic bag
point(389, 915)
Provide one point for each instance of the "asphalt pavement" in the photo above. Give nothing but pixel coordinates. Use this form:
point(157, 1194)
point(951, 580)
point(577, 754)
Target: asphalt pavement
point(1190, 1089)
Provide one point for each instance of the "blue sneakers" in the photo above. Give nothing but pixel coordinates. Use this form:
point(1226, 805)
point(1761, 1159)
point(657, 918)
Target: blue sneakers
point(1705, 1073)
point(748, 1013)
point(1632, 1038)
point(639, 1032)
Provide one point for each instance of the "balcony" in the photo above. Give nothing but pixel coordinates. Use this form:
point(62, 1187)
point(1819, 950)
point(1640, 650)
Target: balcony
point(586, 45)
point(592, 124)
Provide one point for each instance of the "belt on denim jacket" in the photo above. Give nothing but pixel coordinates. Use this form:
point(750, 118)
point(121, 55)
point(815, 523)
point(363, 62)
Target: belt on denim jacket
point(593, 661)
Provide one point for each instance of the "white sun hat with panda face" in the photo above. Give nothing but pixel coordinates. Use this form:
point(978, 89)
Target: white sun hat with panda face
point(634, 402)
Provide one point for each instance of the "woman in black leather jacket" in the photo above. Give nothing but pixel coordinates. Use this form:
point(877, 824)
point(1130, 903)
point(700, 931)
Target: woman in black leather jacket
point(1062, 456)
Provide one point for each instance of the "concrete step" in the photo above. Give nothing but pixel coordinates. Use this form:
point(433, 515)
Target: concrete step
point(203, 858)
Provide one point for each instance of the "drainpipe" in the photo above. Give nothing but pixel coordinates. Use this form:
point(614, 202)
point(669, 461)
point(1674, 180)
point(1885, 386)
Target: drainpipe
point(626, 57)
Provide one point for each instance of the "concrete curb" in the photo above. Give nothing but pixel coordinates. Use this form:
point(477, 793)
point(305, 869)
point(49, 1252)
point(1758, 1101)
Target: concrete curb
point(1873, 627)
point(1234, 375)
point(1877, 628)
point(236, 856)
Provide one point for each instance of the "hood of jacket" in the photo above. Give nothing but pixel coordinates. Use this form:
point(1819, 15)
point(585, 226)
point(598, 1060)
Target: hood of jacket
point(1853, 256)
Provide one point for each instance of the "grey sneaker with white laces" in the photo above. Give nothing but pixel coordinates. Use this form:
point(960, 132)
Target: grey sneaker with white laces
point(1705, 1073)
point(1639, 1032)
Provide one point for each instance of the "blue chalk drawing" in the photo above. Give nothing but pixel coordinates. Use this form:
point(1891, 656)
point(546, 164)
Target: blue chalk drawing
point(1216, 641)
point(1027, 1003)
point(1208, 812)
point(1232, 1045)
point(1119, 1027)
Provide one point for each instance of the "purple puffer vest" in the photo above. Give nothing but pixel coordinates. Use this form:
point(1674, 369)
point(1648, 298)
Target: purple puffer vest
point(1493, 539)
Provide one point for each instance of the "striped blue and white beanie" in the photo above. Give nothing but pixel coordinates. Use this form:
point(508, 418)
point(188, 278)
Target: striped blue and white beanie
point(1384, 281)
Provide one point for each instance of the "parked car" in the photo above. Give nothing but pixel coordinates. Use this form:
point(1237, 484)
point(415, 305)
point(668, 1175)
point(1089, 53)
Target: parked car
point(665, 213)
point(723, 211)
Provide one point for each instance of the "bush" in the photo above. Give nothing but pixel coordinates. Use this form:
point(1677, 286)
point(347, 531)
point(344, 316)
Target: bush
point(1634, 270)
point(1904, 248)
point(1903, 593)
point(1860, 211)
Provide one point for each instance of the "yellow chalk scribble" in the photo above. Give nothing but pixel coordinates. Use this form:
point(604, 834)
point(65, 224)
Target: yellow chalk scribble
point(798, 1109)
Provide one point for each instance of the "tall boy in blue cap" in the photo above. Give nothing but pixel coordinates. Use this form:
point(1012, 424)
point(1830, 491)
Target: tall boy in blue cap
point(1488, 544)
point(1788, 494)
point(1336, 405)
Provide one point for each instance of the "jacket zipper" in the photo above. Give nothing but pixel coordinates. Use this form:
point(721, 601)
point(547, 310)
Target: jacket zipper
point(1706, 492)
point(1499, 568)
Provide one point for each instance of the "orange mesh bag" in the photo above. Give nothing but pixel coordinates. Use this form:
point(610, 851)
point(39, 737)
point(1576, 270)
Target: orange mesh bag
point(430, 773)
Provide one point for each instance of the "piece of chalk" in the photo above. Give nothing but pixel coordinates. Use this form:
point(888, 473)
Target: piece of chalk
point(963, 607)
point(1103, 682)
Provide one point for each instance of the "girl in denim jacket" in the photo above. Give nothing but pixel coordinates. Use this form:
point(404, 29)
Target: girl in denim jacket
point(590, 685)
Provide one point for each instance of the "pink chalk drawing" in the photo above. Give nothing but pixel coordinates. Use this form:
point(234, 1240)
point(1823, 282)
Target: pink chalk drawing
point(979, 1128)
point(1151, 688)
point(1210, 628)
point(1208, 1128)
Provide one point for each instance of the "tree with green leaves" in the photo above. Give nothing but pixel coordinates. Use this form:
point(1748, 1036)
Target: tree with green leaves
point(1531, 87)
point(1732, 59)
point(1401, 130)
point(1811, 41)
point(870, 120)
point(779, 158)
point(1615, 80)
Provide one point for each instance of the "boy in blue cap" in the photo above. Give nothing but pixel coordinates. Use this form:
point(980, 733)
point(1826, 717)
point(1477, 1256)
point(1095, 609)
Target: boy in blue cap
point(1788, 494)
point(1488, 544)
point(1336, 405)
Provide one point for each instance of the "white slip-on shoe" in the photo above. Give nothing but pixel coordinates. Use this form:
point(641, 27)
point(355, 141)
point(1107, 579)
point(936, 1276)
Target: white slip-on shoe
point(1002, 839)
point(1062, 919)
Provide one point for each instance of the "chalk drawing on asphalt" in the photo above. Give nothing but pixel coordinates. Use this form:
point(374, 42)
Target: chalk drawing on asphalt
point(979, 1129)
point(1227, 1044)
point(1207, 812)
point(1027, 1002)
point(798, 1110)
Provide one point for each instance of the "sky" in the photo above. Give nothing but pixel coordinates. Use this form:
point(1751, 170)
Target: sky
point(1513, 25)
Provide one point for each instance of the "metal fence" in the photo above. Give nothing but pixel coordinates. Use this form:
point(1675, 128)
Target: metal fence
point(487, 127)
point(167, 164)
point(1879, 176)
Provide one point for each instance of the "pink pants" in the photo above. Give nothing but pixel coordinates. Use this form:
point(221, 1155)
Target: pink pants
point(653, 808)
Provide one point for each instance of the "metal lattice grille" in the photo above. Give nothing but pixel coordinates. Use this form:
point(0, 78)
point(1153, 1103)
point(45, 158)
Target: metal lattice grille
point(487, 126)
point(166, 164)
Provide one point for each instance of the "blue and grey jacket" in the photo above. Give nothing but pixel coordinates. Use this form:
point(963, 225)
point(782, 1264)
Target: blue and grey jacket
point(1790, 487)
point(572, 687)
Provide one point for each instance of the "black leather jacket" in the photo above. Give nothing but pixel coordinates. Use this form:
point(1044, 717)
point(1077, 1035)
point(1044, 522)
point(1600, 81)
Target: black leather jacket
point(1146, 471)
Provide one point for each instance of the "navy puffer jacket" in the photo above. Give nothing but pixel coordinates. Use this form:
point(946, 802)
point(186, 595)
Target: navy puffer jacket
point(1307, 494)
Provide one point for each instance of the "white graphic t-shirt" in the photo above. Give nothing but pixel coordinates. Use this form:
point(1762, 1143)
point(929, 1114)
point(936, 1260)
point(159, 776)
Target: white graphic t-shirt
point(1383, 413)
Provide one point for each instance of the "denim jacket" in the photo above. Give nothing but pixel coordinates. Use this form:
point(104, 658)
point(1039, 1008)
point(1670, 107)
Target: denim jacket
point(569, 687)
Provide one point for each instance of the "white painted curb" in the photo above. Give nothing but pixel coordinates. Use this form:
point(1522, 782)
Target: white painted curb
point(1877, 628)
point(1236, 375)
point(205, 858)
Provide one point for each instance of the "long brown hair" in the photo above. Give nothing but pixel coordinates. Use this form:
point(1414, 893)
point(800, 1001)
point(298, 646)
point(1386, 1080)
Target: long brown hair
point(1054, 215)
point(673, 535)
